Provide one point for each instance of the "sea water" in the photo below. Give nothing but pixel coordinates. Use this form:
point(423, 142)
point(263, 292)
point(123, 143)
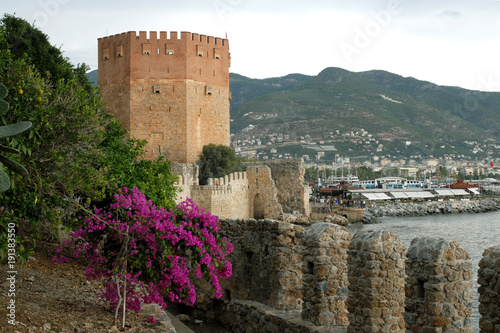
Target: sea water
point(473, 232)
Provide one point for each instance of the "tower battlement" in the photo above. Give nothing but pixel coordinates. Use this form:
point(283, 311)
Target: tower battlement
point(163, 55)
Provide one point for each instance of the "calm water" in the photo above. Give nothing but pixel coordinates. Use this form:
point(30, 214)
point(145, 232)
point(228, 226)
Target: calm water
point(474, 233)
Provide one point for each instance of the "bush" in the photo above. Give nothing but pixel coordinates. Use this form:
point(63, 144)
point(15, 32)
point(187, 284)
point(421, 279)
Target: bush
point(216, 161)
point(136, 244)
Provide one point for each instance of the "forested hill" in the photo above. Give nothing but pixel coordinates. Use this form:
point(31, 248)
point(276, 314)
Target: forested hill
point(379, 102)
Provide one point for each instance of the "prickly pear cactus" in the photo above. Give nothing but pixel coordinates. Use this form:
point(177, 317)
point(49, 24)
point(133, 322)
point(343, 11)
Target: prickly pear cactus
point(6, 131)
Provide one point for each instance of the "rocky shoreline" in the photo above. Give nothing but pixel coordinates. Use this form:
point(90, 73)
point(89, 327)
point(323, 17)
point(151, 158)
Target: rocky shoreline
point(407, 209)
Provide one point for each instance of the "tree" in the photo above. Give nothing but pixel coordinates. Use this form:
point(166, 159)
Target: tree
point(6, 131)
point(443, 172)
point(217, 161)
point(75, 152)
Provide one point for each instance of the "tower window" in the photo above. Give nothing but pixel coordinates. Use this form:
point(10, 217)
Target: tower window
point(146, 48)
point(169, 48)
point(105, 53)
point(209, 90)
point(216, 53)
point(199, 50)
point(157, 88)
point(119, 51)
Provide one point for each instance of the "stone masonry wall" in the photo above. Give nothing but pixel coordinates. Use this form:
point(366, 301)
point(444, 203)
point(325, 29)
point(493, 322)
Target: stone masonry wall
point(318, 278)
point(293, 192)
point(267, 262)
point(263, 193)
point(324, 274)
point(376, 301)
point(188, 176)
point(226, 197)
point(489, 291)
point(439, 287)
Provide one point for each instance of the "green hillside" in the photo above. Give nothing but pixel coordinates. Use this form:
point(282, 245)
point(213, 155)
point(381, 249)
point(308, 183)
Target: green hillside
point(386, 105)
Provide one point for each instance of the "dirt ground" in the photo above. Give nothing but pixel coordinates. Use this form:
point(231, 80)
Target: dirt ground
point(52, 297)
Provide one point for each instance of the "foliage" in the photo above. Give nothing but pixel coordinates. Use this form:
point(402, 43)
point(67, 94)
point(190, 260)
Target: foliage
point(75, 152)
point(125, 168)
point(136, 244)
point(216, 161)
point(24, 39)
point(7, 131)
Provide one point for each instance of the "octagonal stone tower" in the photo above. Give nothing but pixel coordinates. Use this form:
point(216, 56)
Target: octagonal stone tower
point(170, 89)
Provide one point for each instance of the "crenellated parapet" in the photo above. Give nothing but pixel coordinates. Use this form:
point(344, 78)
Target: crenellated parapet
point(163, 55)
point(320, 278)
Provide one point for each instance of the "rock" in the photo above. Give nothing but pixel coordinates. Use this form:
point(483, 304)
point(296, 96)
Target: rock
point(113, 329)
point(31, 279)
point(46, 326)
point(183, 317)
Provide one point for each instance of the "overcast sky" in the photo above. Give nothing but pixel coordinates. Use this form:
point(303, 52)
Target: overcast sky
point(453, 43)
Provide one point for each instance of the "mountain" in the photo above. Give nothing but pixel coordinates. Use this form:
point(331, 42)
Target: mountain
point(386, 105)
point(92, 75)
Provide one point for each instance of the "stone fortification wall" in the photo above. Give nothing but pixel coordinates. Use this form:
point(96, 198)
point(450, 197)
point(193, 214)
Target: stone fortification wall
point(293, 192)
point(226, 197)
point(267, 262)
point(324, 277)
point(188, 176)
point(320, 278)
point(263, 193)
point(376, 300)
point(489, 290)
point(439, 287)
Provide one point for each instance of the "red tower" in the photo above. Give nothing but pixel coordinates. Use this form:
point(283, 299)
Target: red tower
point(171, 90)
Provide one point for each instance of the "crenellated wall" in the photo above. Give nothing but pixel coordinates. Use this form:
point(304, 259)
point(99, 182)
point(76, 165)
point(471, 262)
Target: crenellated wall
point(320, 278)
point(489, 290)
point(225, 197)
point(260, 192)
point(376, 300)
point(438, 287)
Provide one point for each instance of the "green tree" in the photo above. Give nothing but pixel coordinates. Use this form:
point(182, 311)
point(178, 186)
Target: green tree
point(443, 172)
point(76, 154)
point(367, 173)
point(217, 161)
point(25, 40)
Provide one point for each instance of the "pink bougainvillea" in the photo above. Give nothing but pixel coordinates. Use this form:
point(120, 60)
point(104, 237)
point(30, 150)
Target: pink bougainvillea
point(136, 244)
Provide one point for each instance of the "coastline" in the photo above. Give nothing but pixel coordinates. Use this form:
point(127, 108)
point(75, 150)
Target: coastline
point(407, 209)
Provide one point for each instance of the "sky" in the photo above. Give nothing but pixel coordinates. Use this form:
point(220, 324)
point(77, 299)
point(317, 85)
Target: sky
point(454, 43)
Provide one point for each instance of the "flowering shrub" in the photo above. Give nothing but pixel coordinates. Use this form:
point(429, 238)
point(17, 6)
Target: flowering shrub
point(136, 244)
